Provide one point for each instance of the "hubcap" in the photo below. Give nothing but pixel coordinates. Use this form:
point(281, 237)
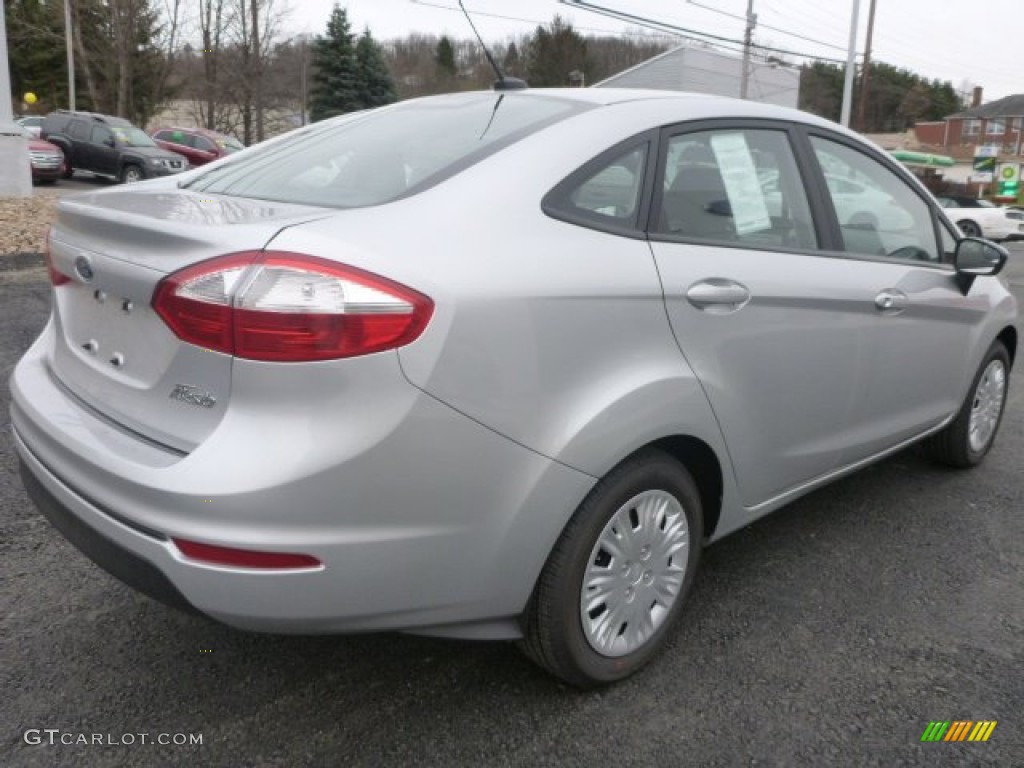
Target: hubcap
point(634, 574)
point(987, 405)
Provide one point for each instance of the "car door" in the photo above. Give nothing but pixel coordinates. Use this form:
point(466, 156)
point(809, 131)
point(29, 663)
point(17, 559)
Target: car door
point(103, 154)
point(771, 326)
point(919, 322)
point(203, 151)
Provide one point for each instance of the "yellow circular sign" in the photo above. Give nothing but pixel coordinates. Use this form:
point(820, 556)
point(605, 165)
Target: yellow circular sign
point(30, 98)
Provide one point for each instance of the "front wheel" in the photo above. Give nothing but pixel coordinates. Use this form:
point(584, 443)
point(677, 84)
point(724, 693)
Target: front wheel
point(617, 579)
point(969, 437)
point(131, 174)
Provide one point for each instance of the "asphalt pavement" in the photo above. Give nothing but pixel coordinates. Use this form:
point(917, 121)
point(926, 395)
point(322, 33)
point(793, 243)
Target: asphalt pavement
point(828, 634)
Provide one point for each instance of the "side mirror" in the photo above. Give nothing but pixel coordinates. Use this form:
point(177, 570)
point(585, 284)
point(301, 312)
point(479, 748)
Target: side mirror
point(974, 258)
point(110, 143)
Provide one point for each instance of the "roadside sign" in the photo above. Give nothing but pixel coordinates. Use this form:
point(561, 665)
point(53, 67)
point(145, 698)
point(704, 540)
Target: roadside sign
point(986, 151)
point(985, 165)
point(1009, 172)
point(980, 178)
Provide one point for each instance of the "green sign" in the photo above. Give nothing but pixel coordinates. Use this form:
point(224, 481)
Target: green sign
point(984, 165)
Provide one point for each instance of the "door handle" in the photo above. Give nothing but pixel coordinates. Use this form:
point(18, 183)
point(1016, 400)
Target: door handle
point(891, 301)
point(718, 295)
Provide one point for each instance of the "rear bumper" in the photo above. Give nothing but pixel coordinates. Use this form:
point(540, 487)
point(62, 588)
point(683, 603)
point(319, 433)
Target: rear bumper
point(431, 522)
point(105, 551)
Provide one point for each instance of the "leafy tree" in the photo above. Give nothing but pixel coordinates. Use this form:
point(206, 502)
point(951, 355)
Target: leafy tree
point(554, 52)
point(374, 84)
point(336, 88)
point(445, 58)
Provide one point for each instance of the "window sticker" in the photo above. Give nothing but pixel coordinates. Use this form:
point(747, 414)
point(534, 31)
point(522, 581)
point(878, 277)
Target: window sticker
point(746, 197)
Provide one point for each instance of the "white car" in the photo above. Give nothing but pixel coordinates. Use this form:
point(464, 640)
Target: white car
point(980, 218)
point(33, 123)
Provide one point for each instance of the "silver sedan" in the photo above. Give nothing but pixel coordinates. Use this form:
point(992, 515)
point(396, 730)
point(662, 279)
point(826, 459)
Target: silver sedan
point(496, 366)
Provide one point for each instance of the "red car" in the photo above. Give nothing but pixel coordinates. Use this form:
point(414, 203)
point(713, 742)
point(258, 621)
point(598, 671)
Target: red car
point(199, 145)
point(46, 159)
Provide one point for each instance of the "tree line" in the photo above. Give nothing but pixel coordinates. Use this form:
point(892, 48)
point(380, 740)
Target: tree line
point(232, 64)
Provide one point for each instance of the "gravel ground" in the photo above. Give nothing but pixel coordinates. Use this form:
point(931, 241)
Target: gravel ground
point(23, 221)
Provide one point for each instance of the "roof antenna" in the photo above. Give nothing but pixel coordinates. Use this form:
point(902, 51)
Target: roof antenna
point(503, 83)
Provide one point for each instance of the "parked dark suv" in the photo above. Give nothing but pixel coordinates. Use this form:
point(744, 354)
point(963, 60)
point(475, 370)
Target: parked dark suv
point(109, 146)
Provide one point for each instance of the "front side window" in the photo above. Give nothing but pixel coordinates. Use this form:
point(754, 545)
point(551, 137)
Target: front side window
point(879, 213)
point(375, 157)
point(739, 187)
point(130, 136)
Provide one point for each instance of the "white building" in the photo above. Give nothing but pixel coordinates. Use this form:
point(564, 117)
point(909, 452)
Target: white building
point(692, 68)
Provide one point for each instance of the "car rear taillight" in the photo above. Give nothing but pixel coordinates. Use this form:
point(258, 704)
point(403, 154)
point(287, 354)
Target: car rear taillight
point(288, 307)
point(56, 277)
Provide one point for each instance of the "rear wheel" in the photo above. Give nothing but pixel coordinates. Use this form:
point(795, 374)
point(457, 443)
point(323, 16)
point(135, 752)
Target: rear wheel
point(617, 579)
point(969, 228)
point(131, 174)
point(969, 437)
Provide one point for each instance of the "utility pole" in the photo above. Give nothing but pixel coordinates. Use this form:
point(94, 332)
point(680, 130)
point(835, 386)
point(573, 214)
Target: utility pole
point(71, 55)
point(748, 39)
point(851, 63)
point(862, 107)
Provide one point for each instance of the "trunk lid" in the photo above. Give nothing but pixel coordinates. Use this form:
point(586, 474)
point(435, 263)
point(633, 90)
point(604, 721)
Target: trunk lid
point(112, 351)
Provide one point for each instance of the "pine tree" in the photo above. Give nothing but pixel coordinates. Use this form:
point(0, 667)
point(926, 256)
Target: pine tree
point(444, 57)
point(374, 83)
point(336, 88)
point(555, 52)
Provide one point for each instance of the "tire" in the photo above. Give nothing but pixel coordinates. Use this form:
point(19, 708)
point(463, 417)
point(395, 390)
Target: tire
point(969, 437)
point(131, 174)
point(68, 170)
point(969, 228)
point(593, 643)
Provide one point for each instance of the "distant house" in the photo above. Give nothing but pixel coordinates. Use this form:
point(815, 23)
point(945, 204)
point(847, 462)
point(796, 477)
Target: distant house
point(997, 123)
point(692, 68)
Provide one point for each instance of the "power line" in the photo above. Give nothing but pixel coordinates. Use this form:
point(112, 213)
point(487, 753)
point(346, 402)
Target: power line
point(520, 19)
point(645, 22)
point(766, 26)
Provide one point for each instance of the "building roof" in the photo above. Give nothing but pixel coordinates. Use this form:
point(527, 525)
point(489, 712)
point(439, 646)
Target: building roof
point(704, 70)
point(1005, 107)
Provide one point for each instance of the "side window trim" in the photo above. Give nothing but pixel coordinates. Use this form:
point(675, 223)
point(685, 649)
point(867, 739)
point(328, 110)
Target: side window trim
point(554, 202)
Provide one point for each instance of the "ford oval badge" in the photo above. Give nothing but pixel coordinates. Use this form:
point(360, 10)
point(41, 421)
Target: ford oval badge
point(84, 268)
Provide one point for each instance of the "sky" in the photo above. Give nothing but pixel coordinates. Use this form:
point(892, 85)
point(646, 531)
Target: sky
point(951, 44)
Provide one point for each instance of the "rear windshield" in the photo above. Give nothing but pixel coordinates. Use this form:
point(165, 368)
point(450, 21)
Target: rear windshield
point(378, 156)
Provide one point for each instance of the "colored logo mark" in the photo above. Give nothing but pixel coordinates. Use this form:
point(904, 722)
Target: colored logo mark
point(958, 730)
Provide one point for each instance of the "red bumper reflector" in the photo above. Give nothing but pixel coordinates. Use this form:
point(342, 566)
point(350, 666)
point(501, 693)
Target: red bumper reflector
point(244, 558)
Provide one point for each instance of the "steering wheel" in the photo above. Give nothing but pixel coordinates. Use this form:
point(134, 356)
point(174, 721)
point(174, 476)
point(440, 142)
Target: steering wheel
point(910, 252)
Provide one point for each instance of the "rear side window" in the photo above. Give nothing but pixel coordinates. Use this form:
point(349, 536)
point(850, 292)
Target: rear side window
point(373, 158)
point(739, 187)
point(78, 129)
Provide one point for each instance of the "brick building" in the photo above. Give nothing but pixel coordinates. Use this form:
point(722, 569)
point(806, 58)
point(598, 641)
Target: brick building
point(998, 123)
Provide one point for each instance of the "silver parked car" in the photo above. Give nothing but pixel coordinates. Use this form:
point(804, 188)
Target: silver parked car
point(493, 365)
